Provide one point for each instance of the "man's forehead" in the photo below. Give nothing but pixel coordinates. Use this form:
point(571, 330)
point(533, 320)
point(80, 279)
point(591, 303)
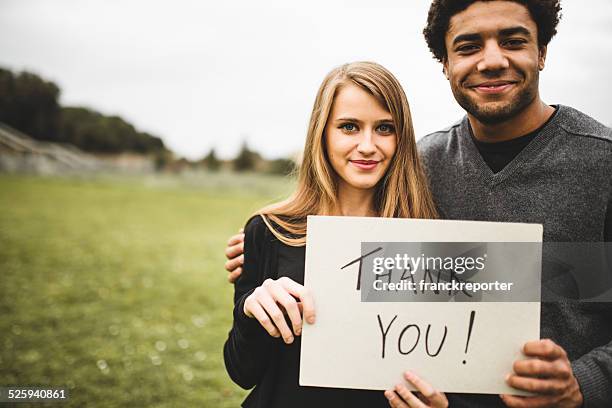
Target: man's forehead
point(489, 18)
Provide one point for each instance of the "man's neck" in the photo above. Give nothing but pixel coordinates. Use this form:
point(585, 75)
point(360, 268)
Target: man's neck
point(530, 119)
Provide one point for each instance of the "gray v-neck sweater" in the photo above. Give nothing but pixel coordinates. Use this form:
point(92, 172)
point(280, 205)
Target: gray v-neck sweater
point(561, 179)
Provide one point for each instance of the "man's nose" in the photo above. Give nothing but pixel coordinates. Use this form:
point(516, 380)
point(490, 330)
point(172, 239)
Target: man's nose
point(493, 58)
point(366, 143)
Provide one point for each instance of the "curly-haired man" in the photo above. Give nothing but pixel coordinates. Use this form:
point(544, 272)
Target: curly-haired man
point(515, 158)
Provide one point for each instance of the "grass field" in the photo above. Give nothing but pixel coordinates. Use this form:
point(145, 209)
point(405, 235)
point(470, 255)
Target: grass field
point(115, 288)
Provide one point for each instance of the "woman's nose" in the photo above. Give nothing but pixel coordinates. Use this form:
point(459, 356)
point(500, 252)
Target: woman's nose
point(366, 143)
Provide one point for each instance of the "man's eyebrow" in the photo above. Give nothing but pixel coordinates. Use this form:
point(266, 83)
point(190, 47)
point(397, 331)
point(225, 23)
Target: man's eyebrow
point(507, 32)
point(466, 37)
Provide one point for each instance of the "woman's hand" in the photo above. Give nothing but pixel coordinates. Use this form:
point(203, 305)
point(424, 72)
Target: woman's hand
point(426, 397)
point(266, 301)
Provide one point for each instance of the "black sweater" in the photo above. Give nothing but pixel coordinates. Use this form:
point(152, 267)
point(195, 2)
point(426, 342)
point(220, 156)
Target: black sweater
point(255, 359)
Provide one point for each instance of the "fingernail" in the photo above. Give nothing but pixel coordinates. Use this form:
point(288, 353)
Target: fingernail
point(408, 374)
point(289, 339)
point(311, 319)
point(507, 377)
point(389, 395)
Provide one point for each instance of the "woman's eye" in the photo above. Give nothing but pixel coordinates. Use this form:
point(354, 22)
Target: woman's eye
point(349, 127)
point(385, 129)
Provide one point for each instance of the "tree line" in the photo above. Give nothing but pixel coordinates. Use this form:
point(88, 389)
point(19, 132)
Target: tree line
point(248, 160)
point(31, 105)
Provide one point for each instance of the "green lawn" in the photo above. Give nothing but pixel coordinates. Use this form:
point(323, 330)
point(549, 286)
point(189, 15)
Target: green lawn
point(115, 287)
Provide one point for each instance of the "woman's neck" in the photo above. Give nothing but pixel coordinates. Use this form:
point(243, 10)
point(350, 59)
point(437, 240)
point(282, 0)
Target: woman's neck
point(355, 202)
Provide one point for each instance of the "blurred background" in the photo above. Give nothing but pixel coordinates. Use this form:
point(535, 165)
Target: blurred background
point(137, 136)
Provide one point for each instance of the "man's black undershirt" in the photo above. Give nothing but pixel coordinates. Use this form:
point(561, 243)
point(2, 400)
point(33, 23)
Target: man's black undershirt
point(498, 154)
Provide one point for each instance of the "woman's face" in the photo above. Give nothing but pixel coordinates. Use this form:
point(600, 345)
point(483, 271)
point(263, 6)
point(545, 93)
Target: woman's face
point(360, 138)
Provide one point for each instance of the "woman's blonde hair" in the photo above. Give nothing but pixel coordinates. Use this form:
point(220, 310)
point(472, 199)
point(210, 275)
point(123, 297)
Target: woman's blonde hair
point(402, 193)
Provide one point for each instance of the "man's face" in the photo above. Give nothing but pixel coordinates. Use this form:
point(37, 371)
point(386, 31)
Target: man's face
point(493, 60)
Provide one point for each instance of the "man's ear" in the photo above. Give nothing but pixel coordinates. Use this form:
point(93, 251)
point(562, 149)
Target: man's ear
point(542, 57)
point(445, 67)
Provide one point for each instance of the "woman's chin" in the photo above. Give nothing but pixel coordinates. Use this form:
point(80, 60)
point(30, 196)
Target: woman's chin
point(364, 183)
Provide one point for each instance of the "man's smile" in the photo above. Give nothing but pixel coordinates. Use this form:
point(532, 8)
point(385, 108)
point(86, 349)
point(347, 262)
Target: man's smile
point(492, 87)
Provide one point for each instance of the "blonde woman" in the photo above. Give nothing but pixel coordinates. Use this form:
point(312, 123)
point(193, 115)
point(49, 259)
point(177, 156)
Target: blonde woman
point(360, 159)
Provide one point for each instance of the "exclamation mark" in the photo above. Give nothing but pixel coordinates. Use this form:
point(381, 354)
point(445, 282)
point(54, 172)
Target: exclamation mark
point(467, 343)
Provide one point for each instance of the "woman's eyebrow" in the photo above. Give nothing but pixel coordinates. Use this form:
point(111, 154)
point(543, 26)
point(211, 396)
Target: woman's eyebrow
point(346, 119)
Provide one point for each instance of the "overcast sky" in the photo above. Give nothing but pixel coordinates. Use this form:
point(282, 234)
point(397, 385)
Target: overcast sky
point(205, 74)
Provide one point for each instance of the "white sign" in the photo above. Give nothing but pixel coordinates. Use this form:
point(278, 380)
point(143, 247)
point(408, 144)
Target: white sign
point(465, 347)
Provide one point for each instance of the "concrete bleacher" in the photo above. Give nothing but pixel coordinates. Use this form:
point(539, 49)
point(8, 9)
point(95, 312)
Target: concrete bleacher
point(21, 153)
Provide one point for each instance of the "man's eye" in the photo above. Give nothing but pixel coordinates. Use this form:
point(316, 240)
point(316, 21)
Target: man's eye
point(517, 42)
point(349, 127)
point(467, 48)
point(385, 129)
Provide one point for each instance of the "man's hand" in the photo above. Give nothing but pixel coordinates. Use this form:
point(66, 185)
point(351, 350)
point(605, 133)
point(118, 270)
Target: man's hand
point(548, 373)
point(235, 256)
point(426, 397)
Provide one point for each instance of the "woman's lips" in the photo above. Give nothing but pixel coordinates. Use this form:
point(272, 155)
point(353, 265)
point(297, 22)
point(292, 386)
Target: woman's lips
point(364, 164)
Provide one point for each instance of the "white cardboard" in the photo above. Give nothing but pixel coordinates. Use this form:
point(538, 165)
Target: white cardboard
point(343, 348)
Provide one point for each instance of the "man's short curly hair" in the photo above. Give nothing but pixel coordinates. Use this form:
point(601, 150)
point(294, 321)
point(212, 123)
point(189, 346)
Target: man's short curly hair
point(546, 14)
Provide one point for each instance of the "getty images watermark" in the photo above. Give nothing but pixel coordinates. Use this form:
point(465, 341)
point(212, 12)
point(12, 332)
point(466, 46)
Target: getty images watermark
point(484, 272)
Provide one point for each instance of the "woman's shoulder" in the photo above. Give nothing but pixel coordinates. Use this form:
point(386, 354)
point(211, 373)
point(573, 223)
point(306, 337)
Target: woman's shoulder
point(255, 227)
point(259, 227)
point(262, 226)
point(254, 222)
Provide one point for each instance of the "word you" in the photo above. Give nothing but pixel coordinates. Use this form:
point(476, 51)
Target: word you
point(409, 337)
